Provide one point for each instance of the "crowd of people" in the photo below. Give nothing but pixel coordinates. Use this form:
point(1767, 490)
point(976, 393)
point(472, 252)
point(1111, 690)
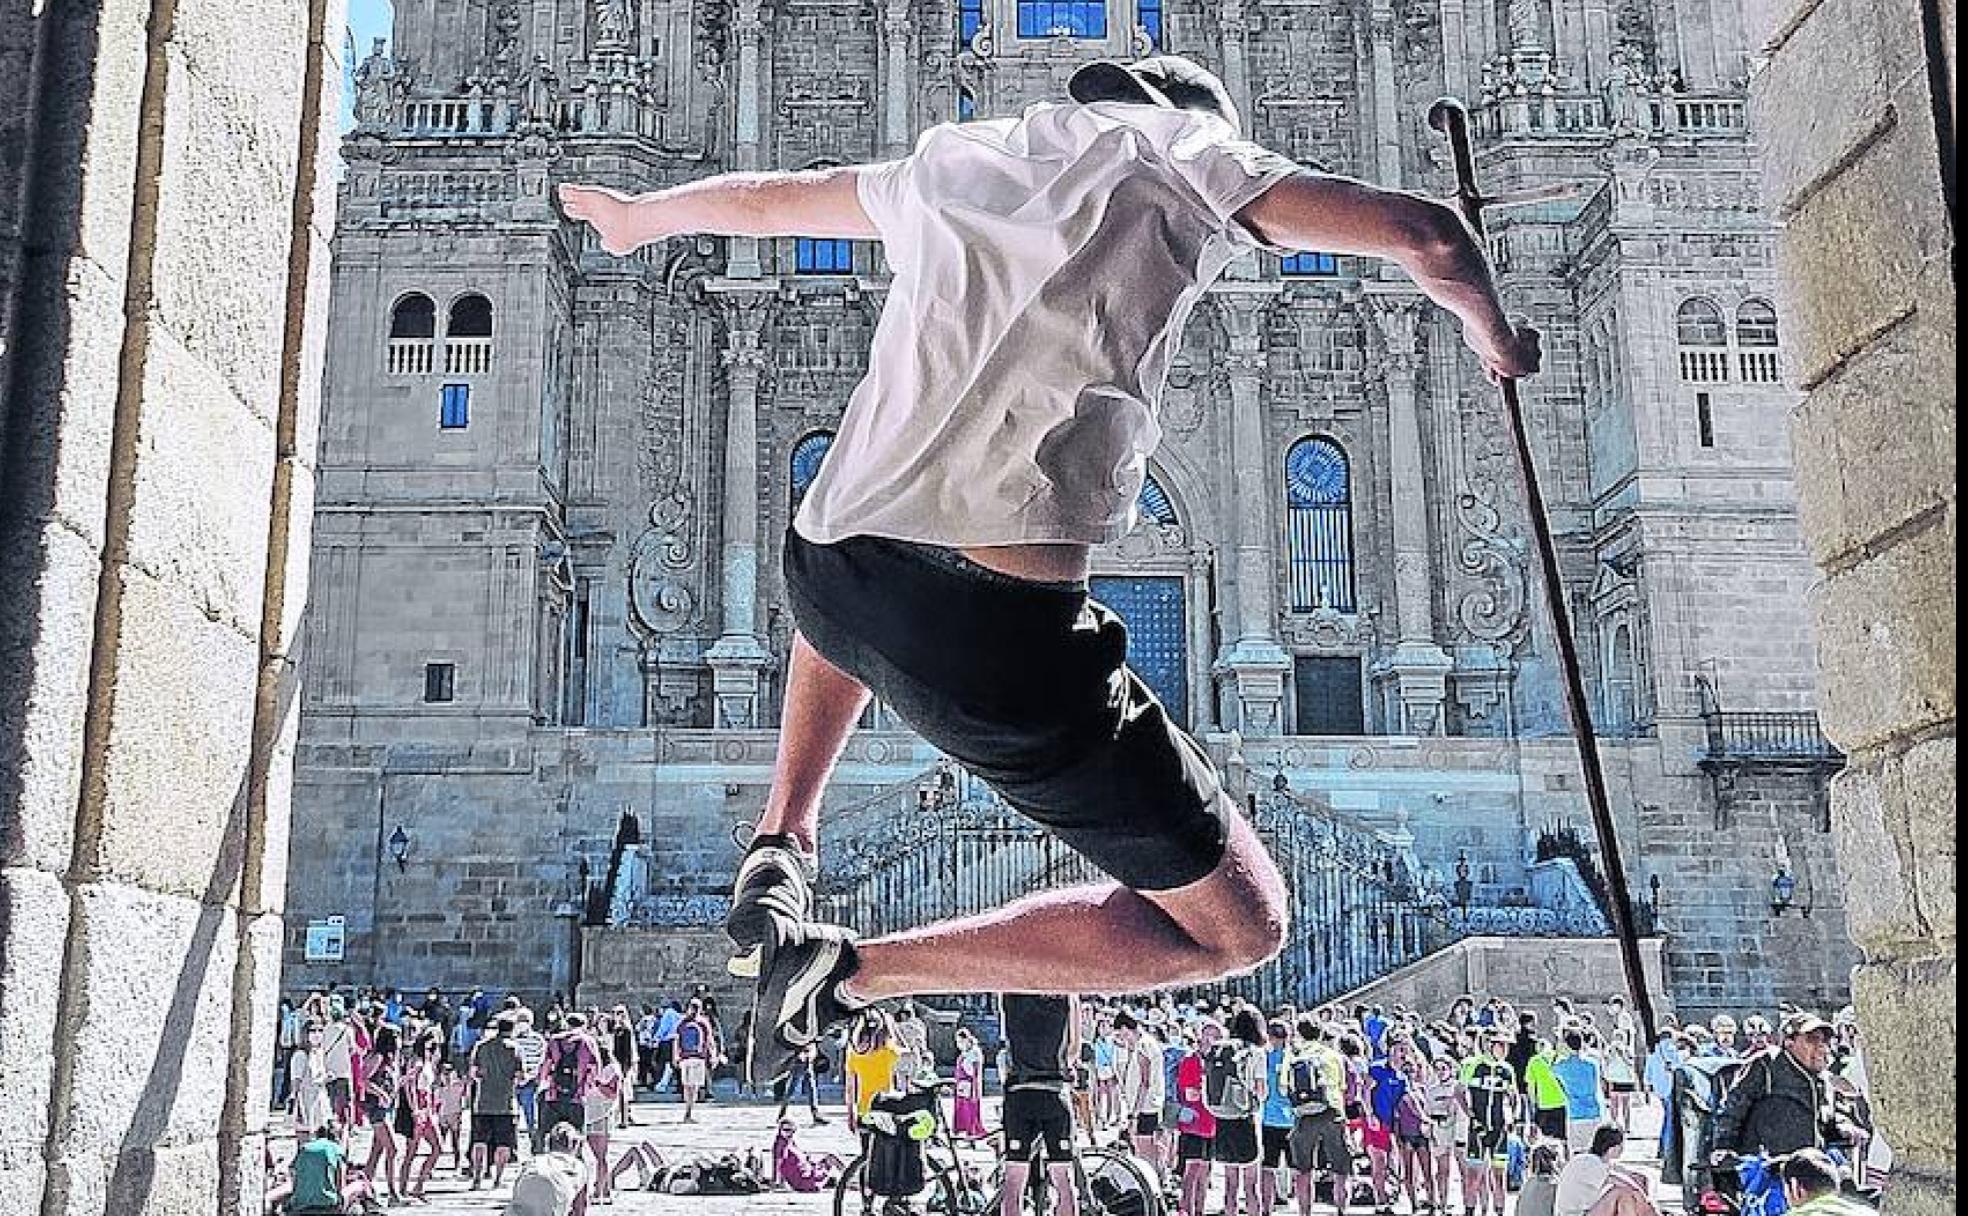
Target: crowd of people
point(1354, 1109)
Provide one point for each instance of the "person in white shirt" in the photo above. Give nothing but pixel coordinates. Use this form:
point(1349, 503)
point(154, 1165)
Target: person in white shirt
point(554, 1183)
point(1594, 1181)
point(338, 1062)
point(1044, 268)
point(1143, 1087)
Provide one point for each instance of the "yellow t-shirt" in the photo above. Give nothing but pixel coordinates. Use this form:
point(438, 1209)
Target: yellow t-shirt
point(874, 1074)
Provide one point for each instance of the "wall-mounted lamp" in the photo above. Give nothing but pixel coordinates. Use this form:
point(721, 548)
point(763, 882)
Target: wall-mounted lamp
point(1464, 888)
point(1783, 891)
point(399, 847)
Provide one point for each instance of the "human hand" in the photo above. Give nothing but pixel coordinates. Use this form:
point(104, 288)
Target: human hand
point(610, 213)
point(1512, 355)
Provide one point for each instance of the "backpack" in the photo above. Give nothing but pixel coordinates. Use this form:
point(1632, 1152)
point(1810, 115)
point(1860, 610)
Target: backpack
point(567, 1069)
point(690, 1040)
point(1226, 1094)
point(1305, 1089)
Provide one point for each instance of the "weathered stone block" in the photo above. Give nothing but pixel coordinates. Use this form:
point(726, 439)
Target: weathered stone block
point(1886, 641)
point(1875, 857)
point(1874, 443)
point(1928, 792)
point(174, 771)
point(48, 581)
point(34, 917)
point(1869, 47)
point(198, 519)
point(66, 402)
point(1883, 213)
point(147, 1038)
point(223, 223)
point(1907, 1013)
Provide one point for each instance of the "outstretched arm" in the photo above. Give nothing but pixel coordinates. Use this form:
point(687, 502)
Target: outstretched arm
point(1318, 211)
point(815, 202)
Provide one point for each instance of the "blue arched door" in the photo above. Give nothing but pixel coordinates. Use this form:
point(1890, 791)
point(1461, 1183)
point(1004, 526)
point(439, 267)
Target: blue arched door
point(1158, 637)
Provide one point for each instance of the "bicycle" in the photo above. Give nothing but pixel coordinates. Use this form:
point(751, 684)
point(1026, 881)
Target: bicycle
point(949, 1187)
point(1109, 1180)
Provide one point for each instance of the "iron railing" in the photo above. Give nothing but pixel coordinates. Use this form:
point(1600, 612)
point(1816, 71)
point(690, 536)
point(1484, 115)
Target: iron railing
point(1766, 735)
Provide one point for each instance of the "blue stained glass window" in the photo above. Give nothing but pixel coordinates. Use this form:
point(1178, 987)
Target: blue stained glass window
point(1150, 12)
point(970, 18)
point(1073, 18)
point(966, 105)
point(1310, 264)
point(807, 455)
point(1153, 502)
point(1319, 515)
point(454, 410)
point(823, 255)
point(1157, 635)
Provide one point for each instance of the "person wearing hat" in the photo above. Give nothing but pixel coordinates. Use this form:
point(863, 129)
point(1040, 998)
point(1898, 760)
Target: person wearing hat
point(1781, 1100)
point(1044, 267)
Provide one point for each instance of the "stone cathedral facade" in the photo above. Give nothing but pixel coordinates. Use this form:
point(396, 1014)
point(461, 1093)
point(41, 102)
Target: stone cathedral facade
point(553, 484)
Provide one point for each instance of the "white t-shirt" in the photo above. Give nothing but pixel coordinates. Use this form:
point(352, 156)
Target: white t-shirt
point(1580, 1184)
point(1044, 267)
point(338, 1051)
point(1144, 1062)
point(547, 1185)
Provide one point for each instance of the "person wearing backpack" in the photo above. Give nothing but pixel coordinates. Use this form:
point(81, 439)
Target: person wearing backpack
point(1233, 1089)
point(566, 1072)
point(1317, 1090)
point(1195, 1125)
point(1276, 1119)
point(696, 1052)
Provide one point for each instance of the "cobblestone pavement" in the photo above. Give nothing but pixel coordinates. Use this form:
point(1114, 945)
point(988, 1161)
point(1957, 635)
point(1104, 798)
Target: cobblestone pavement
point(733, 1125)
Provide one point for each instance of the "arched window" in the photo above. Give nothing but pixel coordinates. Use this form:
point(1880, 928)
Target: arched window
point(468, 336)
point(1319, 511)
point(413, 327)
point(1703, 337)
point(1756, 342)
point(805, 462)
point(1619, 704)
point(1153, 503)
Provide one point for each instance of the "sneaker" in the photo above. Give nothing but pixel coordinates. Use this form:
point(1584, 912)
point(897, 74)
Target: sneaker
point(775, 880)
point(798, 994)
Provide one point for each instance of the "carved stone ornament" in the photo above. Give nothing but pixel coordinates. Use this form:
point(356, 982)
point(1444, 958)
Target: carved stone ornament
point(1489, 554)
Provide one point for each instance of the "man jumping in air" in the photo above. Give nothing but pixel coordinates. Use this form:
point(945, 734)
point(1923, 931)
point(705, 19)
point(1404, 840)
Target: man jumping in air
point(1044, 267)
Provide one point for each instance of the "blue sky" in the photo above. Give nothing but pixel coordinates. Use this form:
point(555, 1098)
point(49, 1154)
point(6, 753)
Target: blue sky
point(367, 21)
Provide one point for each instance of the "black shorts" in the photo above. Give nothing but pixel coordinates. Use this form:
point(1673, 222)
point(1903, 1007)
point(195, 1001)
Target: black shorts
point(1488, 1144)
point(1191, 1147)
point(376, 1111)
point(405, 1121)
point(1550, 1122)
point(494, 1131)
point(1274, 1146)
point(1026, 685)
point(1147, 1123)
point(1037, 1122)
point(1318, 1144)
point(1236, 1141)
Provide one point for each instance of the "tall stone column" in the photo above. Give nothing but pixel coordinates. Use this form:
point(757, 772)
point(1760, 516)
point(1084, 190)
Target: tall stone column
point(748, 30)
point(896, 31)
point(1382, 30)
point(1254, 666)
point(1416, 671)
point(160, 415)
point(738, 657)
point(1867, 258)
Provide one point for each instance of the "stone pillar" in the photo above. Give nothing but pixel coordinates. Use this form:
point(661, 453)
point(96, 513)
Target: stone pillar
point(738, 657)
point(1254, 666)
point(1455, 50)
point(748, 29)
point(1382, 31)
point(1234, 27)
point(1416, 671)
point(896, 30)
point(159, 415)
point(1856, 107)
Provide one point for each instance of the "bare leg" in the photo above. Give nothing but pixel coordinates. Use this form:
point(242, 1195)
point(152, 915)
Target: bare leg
point(821, 707)
point(1094, 939)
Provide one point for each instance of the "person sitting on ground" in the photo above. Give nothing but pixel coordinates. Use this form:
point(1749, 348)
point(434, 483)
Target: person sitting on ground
point(798, 1170)
point(320, 1182)
point(1593, 1182)
point(1539, 1194)
point(1815, 1186)
point(554, 1183)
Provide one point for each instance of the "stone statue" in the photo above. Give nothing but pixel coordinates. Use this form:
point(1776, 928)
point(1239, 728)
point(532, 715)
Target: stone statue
point(1626, 107)
point(612, 24)
point(375, 89)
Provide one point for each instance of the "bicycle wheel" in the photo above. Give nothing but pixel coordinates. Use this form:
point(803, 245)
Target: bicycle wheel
point(938, 1195)
point(1118, 1184)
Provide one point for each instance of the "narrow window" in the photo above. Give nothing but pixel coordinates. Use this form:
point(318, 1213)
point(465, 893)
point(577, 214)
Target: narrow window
point(1319, 517)
point(970, 19)
point(438, 682)
point(1305, 265)
point(1704, 420)
point(454, 410)
point(823, 255)
point(1150, 12)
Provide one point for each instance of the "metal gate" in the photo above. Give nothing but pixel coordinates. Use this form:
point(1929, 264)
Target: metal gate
point(1158, 634)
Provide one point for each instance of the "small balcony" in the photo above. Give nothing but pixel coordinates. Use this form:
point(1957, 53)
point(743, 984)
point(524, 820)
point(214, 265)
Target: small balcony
point(1774, 735)
point(408, 357)
point(467, 356)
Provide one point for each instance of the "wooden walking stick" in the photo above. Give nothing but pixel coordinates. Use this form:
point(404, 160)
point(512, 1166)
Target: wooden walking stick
point(1450, 118)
